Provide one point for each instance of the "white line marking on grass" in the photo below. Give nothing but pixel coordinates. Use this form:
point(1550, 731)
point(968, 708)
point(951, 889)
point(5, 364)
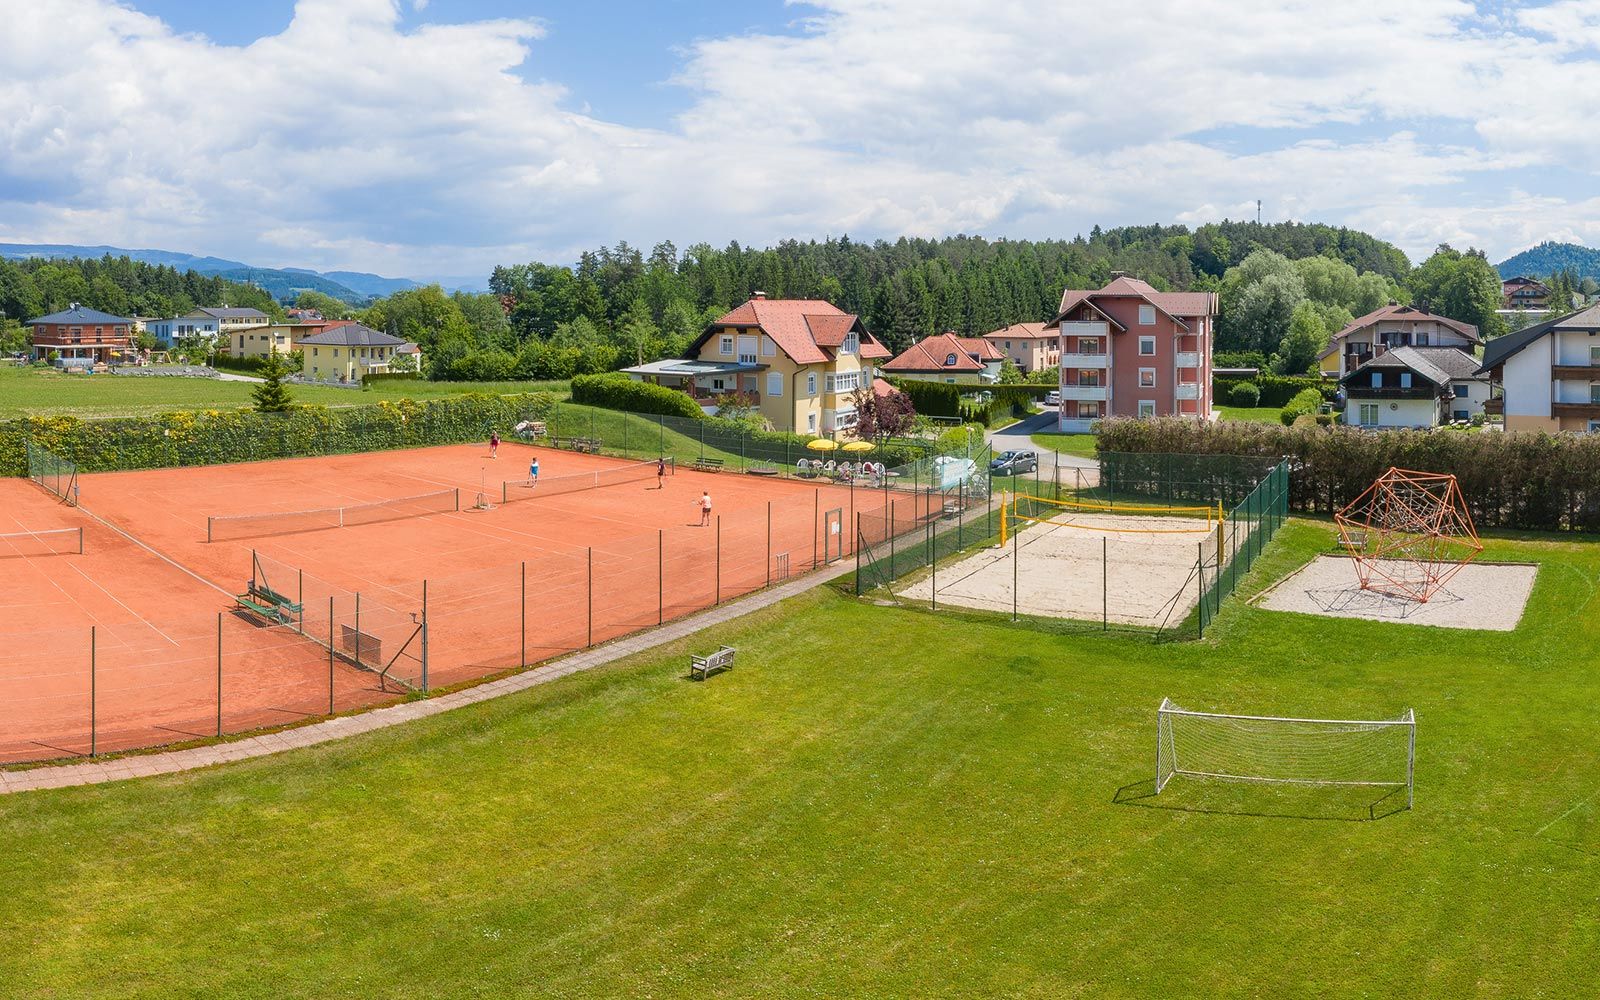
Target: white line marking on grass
point(1575, 807)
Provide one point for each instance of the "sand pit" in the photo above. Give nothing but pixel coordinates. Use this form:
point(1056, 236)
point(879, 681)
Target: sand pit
point(1123, 569)
point(1482, 596)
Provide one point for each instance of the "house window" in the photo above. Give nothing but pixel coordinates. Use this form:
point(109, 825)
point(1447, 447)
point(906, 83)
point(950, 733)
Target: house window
point(951, 380)
point(949, 360)
point(768, 348)
point(1594, 425)
point(1147, 347)
point(1147, 315)
point(1405, 380)
point(747, 350)
point(717, 385)
point(1463, 391)
point(1008, 345)
point(851, 344)
point(1594, 355)
point(1461, 415)
point(1147, 408)
point(314, 352)
point(1369, 414)
point(725, 345)
point(829, 383)
point(1377, 380)
point(774, 383)
point(1422, 339)
point(1594, 392)
point(1147, 378)
point(811, 423)
point(811, 387)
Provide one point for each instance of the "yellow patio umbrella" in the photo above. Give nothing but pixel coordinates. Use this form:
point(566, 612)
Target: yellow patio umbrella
point(860, 446)
point(822, 444)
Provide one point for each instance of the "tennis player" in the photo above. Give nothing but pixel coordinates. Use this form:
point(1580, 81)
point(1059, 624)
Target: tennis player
point(705, 508)
point(494, 444)
point(661, 473)
point(533, 471)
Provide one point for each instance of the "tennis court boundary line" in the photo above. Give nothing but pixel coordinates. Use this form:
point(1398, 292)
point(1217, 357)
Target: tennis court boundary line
point(328, 730)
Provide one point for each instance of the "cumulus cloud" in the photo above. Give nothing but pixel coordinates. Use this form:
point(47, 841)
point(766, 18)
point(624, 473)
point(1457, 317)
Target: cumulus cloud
point(350, 140)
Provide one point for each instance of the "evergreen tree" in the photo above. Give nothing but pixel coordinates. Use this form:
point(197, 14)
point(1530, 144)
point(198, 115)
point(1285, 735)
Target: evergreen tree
point(272, 396)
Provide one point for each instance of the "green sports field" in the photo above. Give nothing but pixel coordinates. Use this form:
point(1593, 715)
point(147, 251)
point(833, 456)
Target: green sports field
point(37, 392)
point(874, 802)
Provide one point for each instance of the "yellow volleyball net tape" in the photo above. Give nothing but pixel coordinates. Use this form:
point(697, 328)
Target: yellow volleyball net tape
point(1025, 509)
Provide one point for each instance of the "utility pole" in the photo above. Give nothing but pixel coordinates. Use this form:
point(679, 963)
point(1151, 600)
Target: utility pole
point(1258, 211)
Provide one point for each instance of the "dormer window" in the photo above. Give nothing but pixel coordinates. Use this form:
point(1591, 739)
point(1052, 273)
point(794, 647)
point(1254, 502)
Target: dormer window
point(850, 345)
point(949, 360)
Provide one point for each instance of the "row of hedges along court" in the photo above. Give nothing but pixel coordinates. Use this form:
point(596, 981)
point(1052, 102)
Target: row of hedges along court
point(1538, 482)
point(214, 437)
point(1273, 390)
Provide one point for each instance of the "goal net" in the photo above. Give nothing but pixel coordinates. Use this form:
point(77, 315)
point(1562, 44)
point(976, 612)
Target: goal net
point(1380, 753)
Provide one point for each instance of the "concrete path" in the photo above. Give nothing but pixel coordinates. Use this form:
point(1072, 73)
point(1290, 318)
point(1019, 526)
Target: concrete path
point(172, 762)
point(236, 377)
point(1018, 437)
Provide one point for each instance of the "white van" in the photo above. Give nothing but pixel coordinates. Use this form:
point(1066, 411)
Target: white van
point(1052, 398)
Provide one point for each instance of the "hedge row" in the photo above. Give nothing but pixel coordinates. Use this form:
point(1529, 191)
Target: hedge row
point(1008, 400)
point(931, 399)
point(212, 437)
point(229, 363)
point(1521, 481)
point(619, 392)
point(1276, 390)
point(372, 377)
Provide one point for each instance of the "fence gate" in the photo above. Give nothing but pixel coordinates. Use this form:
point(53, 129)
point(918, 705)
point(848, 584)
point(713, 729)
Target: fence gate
point(833, 535)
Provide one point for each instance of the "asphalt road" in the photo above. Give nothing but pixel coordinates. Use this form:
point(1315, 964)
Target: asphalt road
point(1018, 437)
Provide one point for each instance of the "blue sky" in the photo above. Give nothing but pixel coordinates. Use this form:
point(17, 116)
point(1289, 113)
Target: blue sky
point(444, 137)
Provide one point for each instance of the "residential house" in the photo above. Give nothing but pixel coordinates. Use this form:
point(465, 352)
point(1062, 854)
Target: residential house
point(799, 361)
point(1549, 374)
point(412, 351)
point(948, 358)
point(1031, 346)
point(347, 351)
point(82, 337)
point(1129, 350)
point(210, 322)
point(1393, 326)
point(1526, 294)
point(1415, 387)
point(276, 338)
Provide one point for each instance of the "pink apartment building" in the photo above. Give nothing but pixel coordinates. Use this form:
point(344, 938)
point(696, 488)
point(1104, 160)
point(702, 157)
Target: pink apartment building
point(1128, 350)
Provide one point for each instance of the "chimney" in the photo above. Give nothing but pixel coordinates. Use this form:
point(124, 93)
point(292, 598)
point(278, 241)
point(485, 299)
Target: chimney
point(1118, 274)
point(1393, 302)
point(758, 295)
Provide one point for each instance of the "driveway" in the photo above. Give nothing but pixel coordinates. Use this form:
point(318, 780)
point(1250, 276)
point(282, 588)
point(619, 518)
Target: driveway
point(1018, 437)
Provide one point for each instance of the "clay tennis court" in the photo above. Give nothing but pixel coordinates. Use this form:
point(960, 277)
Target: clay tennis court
point(541, 573)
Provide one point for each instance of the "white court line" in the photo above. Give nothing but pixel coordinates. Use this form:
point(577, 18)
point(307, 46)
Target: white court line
point(147, 622)
point(1575, 807)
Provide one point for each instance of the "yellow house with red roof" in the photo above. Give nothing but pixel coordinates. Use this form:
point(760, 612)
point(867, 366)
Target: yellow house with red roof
point(799, 360)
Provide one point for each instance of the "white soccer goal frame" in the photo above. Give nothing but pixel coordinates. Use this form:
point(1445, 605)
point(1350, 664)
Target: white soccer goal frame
point(1168, 764)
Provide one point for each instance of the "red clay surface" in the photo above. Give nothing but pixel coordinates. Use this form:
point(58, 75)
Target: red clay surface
point(596, 564)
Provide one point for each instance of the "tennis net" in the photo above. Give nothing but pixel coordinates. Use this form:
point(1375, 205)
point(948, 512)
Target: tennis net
point(50, 542)
point(287, 521)
point(525, 489)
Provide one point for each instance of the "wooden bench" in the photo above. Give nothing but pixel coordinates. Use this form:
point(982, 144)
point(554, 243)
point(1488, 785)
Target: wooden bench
point(709, 464)
point(267, 595)
point(590, 445)
point(701, 667)
point(270, 612)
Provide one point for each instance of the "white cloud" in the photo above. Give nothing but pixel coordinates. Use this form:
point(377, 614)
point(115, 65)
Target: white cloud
point(349, 141)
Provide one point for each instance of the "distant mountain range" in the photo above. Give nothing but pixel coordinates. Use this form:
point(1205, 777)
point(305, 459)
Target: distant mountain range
point(282, 283)
point(1547, 258)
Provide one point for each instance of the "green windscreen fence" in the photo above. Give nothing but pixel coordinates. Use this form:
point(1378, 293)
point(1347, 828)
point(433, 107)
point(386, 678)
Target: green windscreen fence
point(1244, 534)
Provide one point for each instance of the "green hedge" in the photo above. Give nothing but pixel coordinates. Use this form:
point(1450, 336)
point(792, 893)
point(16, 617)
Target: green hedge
point(1276, 390)
point(211, 437)
point(229, 363)
point(372, 377)
point(931, 399)
point(1009, 400)
point(1519, 481)
point(619, 392)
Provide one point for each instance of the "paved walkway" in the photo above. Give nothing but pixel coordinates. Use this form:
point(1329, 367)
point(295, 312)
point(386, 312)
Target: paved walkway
point(171, 762)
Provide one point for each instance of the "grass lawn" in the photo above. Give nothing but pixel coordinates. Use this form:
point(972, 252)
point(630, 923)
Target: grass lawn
point(874, 802)
point(1081, 445)
point(35, 392)
point(1264, 414)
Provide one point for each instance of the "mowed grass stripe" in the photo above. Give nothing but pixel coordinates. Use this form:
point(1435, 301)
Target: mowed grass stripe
point(873, 802)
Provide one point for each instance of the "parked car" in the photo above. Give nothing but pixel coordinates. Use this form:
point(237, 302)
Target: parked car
point(1052, 398)
point(1013, 463)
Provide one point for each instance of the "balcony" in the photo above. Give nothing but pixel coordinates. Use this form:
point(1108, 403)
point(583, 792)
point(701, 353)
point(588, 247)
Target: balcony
point(1085, 360)
point(1187, 390)
point(1188, 359)
point(1588, 411)
point(1585, 372)
point(1086, 393)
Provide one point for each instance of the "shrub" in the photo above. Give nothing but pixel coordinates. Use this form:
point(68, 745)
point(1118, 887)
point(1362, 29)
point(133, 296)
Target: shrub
point(1276, 390)
point(1305, 402)
point(619, 392)
point(1521, 481)
point(931, 399)
point(1245, 394)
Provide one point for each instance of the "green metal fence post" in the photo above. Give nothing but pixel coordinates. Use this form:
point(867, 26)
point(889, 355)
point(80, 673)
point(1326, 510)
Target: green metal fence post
point(590, 589)
point(93, 650)
point(219, 673)
point(424, 637)
point(661, 575)
point(522, 615)
point(330, 654)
